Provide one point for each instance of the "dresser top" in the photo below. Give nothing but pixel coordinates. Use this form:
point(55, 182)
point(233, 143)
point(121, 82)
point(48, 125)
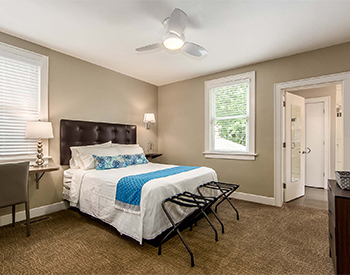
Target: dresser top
point(338, 192)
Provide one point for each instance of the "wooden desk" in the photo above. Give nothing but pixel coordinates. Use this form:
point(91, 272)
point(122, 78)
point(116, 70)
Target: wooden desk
point(40, 171)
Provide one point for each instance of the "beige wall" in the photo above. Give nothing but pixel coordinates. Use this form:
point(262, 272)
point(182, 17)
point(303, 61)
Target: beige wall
point(322, 92)
point(181, 116)
point(81, 90)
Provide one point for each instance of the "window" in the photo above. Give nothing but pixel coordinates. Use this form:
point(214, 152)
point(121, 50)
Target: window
point(23, 97)
point(230, 117)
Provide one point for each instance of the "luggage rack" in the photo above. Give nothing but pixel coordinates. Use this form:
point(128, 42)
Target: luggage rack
point(201, 205)
point(226, 189)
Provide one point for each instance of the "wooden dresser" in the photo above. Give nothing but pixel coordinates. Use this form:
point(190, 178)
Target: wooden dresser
point(339, 227)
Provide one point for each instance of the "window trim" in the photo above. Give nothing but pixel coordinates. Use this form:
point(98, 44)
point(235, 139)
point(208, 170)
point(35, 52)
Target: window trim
point(222, 82)
point(43, 62)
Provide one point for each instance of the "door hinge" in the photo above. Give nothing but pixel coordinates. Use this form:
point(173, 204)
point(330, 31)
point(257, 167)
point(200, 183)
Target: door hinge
point(284, 185)
point(324, 111)
point(284, 103)
point(284, 145)
point(324, 174)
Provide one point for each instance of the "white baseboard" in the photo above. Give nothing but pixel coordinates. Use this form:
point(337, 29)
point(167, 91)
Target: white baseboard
point(34, 212)
point(253, 198)
point(47, 209)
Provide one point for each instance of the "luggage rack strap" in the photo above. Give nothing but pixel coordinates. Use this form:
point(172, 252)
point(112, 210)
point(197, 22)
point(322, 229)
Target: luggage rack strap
point(217, 184)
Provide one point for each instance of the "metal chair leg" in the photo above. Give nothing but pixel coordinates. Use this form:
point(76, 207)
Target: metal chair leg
point(13, 215)
point(27, 218)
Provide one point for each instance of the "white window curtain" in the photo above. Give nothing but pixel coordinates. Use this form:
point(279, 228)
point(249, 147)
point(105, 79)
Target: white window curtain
point(20, 100)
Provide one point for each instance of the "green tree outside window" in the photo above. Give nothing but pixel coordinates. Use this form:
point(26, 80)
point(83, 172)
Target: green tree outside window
point(230, 102)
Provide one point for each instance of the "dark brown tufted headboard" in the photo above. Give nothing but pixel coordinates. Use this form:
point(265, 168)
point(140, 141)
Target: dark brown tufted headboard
point(80, 133)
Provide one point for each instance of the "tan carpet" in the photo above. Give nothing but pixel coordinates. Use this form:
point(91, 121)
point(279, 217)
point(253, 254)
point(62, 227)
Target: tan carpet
point(266, 240)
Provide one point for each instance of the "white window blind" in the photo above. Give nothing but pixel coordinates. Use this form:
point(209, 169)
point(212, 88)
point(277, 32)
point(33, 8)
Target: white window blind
point(230, 116)
point(20, 86)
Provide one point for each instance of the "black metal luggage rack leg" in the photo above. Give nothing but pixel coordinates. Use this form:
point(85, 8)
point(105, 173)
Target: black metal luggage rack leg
point(226, 189)
point(187, 199)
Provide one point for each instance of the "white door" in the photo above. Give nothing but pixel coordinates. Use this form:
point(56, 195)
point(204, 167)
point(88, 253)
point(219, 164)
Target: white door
point(315, 143)
point(295, 147)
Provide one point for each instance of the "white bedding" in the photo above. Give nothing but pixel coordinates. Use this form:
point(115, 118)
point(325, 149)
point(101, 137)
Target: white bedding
point(93, 192)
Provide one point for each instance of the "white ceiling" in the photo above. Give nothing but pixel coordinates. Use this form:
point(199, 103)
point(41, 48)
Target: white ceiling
point(235, 33)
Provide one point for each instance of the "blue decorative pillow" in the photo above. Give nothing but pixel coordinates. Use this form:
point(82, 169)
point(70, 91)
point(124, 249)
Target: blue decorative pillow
point(109, 162)
point(135, 159)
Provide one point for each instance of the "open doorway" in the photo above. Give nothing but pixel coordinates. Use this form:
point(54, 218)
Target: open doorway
point(311, 143)
point(343, 119)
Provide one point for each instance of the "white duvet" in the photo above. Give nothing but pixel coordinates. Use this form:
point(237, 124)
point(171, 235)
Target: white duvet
point(93, 192)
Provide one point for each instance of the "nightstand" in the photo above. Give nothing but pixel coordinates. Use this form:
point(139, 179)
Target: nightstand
point(153, 155)
point(51, 166)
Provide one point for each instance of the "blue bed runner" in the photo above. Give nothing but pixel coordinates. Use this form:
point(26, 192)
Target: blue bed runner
point(129, 188)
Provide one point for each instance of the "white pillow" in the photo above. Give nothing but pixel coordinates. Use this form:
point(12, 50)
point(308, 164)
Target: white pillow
point(74, 162)
point(86, 160)
point(128, 149)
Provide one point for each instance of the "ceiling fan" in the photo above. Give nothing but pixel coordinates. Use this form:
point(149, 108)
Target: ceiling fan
point(174, 38)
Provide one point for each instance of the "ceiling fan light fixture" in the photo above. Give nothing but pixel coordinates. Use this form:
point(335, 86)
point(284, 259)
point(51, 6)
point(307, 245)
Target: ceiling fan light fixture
point(173, 42)
point(174, 38)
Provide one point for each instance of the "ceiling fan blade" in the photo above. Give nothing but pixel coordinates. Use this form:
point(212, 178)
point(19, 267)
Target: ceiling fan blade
point(149, 47)
point(194, 49)
point(177, 21)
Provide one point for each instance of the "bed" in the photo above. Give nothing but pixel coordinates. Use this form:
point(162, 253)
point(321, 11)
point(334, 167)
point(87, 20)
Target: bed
point(94, 191)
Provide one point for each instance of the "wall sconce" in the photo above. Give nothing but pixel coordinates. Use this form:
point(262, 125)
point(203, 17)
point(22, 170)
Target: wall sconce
point(149, 118)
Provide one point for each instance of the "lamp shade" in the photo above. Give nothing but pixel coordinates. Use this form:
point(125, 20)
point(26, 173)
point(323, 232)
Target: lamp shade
point(39, 129)
point(149, 118)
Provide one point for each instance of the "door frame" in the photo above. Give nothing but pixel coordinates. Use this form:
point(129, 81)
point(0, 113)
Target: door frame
point(327, 134)
point(279, 89)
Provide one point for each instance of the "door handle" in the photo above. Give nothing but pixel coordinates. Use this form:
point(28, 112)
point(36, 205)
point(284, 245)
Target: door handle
point(307, 151)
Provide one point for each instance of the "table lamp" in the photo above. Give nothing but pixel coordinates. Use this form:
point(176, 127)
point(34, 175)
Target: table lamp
point(39, 129)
